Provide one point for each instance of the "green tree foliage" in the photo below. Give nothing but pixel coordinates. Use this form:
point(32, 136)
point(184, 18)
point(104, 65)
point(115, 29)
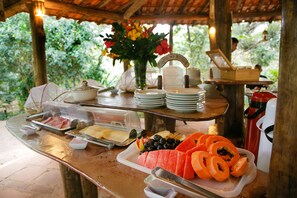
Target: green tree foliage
point(192, 42)
point(16, 59)
point(73, 50)
point(73, 53)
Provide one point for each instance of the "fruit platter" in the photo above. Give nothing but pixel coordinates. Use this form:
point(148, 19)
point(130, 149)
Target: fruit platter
point(209, 161)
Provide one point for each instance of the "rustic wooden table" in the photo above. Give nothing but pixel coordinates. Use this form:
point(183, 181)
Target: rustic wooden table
point(159, 119)
point(232, 124)
point(85, 170)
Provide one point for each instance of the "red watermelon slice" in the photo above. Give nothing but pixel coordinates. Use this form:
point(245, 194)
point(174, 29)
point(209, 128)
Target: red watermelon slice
point(141, 158)
point(163, 158)
point(151, 159)
point(188, 169)
point(171, 162)
point(181, 158)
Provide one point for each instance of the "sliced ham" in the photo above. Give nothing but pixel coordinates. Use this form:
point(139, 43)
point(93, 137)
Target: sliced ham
point(57, 122)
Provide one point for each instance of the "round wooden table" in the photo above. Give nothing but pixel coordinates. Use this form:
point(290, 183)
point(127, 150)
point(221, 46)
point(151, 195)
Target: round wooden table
point(85, 170)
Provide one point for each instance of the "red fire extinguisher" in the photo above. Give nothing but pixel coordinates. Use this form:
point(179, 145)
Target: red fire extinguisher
point(255, 111)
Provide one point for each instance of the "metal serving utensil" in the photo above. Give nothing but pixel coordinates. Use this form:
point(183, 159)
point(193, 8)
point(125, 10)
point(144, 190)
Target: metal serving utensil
point(168, 176)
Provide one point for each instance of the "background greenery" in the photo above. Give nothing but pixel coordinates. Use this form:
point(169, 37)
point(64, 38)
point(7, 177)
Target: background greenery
point(73, 53)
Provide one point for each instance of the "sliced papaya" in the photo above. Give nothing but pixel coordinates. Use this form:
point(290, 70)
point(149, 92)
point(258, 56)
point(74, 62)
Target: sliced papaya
point(217, 168)
point(189, 142)
point(198, 147)
point(240, 167)
point(227, 151)
point(198, 162)
point(215, 138)
point(203, 138)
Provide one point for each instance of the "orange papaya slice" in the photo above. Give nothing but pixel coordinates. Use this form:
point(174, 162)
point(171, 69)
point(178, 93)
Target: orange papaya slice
point(240, 167)
point(198, 162)
point(227, 151)
point(217, 168)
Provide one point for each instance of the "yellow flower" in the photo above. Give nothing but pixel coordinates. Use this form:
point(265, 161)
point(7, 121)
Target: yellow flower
point(134, 34)
point(104, 52)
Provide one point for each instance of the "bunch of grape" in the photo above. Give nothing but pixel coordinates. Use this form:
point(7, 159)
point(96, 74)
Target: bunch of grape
point(158, 142)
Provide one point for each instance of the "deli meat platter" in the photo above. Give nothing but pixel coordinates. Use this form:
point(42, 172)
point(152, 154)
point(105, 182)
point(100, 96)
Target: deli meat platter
point(231, 187)
point(53, 122)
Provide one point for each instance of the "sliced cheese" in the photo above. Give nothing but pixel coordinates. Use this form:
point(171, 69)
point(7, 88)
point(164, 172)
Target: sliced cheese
point(105, 133)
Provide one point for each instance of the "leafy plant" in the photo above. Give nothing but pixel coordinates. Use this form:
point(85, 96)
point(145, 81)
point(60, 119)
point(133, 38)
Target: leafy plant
point(132, 41)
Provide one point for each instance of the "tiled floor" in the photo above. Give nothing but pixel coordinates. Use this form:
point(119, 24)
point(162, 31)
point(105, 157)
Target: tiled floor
point(27, 174)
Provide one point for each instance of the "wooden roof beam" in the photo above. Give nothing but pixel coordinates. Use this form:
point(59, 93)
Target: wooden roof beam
point(18, 7)
point(82, 10)
point(161, 7)
point(183, 6)
point(170, 18)
point(133, 8)
point(257, 14)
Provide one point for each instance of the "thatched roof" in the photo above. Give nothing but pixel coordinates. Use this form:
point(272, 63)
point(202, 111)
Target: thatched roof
point(149, 11)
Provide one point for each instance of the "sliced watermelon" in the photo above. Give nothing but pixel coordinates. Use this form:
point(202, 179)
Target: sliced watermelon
point(151, 159)
point(198, 147)
point(188, 169)
point(171, 162)
point(163, 158)
point(181, 158)
point(141, 158)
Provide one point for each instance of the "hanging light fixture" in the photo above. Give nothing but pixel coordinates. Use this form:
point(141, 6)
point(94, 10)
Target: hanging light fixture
point(212, 30)
point(265, 33)
point(39, 9)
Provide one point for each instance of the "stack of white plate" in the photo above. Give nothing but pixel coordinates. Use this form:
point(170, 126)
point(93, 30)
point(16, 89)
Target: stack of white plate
point(185, 99)
point(150, 98)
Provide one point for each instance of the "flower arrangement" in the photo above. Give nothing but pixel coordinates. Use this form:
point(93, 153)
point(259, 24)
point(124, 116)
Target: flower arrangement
point(133, 41)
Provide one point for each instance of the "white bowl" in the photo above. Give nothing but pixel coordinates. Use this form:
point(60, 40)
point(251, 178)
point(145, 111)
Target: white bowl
point(154, 193)
point(83, 95)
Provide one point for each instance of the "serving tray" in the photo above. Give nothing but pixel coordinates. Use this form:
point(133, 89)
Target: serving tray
point(232, 187)
point(38, 118)
point(105, 142)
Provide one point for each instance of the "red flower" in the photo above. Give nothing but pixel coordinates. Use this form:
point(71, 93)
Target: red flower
point(108, 44)
point(159, 50)
point(164, 43)
point(163, 48)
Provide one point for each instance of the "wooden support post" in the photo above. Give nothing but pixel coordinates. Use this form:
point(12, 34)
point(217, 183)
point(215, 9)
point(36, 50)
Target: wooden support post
point(71, 181)
point(156, 123)
point(2, 13)
point(171, 39)
point(283, 169)
point(89, 189)
point(38, 42)
point(221, 19)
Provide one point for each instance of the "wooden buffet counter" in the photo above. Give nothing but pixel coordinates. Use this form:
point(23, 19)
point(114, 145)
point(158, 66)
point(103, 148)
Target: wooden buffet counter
point(159, 119)
point(85, 170)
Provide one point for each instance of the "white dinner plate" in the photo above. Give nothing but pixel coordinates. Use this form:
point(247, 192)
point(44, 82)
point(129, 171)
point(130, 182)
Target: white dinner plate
point(183, 91)
point(172, 101)
point(150, 93)
point(149, 99)
point(181, 97)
